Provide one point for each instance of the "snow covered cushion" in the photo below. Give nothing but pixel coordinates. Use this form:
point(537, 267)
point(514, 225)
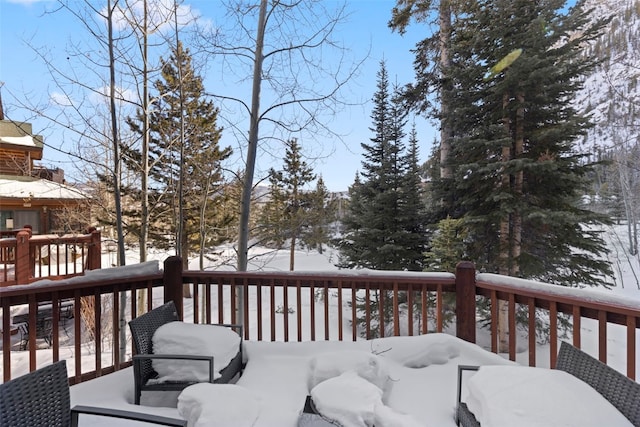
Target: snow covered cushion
point(537, 397)
point(352, 401)
point(367, 365)
point(348, 399)
point(224, 405)
point(193, 339)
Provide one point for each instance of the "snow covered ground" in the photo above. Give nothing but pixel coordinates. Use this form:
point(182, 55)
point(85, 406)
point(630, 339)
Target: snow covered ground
point(421, 370)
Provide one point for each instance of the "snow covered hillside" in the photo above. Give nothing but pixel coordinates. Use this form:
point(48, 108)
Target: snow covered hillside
point(611, 93)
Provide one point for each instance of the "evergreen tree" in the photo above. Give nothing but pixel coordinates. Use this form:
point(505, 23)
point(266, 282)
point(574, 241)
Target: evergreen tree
point(187, 155)
point(412, 207)
point(288, 211)
point(519, 179)
point(271, 223)
point(382, 226)
point(383, 223)
point(322, 214)
point(447, 249)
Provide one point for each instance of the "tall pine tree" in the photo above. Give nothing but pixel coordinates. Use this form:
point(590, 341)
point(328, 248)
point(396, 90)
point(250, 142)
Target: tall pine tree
point(383, 225)
point(518, 177)
point(189, 153)
point(287, 213)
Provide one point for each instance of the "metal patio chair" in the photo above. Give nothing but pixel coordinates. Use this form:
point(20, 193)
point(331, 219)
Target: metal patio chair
point(142, 329)
point(41, 399)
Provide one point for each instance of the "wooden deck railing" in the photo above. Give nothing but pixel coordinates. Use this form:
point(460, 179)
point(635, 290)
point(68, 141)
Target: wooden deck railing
point(301, 306)
point(26, 258)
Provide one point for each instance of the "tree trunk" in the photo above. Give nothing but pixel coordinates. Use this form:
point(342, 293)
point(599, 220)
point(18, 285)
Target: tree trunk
point(444, 17)
point(117, 177)
point(254, 121)
point(505, 235)
point(292, 253)
point(144, 220)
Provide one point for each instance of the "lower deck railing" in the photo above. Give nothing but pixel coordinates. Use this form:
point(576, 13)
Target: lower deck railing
point(87, 314)
point(26, 257)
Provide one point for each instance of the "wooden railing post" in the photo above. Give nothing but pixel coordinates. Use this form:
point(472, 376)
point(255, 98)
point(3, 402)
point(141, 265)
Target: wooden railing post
point(22, 261)
point(466, 301)
point(94, 257)
point(173, 282)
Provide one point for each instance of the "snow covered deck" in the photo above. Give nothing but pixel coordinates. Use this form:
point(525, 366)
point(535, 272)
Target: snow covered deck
point(422, 374)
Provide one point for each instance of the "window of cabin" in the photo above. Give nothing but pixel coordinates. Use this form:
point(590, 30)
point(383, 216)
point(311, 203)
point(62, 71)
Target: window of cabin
point(25, 217)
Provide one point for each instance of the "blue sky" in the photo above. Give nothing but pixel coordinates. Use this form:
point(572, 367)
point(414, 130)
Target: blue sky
point(337, 161)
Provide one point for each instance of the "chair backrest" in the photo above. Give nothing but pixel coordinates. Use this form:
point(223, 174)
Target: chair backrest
point(621, 391)
point(39, 398)
point(143, 327)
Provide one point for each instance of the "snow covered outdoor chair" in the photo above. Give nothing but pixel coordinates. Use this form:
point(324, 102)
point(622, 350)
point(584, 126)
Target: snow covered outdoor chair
point(617, 389)
point(146, 376)
point(42, 398)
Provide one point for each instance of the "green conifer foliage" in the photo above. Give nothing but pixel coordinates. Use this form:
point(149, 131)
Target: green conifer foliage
point(203, 184)
point(518, 178)
point(288, 213)
point(321, 217)
point(383, 225)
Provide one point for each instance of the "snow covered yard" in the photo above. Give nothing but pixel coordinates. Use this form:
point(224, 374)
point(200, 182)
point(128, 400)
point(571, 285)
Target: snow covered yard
point(421, 374)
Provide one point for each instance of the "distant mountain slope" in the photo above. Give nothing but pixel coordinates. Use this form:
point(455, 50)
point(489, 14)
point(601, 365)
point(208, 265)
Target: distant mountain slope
point(612, 93)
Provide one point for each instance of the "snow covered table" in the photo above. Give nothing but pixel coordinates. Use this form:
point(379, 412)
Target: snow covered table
point(277, 380)
point(420, 370)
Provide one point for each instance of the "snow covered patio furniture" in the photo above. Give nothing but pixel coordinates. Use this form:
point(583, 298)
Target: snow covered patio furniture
point(41, 398)
point(601, 396)
point(167, 355)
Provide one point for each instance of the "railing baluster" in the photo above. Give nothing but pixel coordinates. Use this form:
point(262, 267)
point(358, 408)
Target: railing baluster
point(381, 304)
point(77, 335)
point(285, 309)
point(220, 300)
point(115, 321)
point(602, 336)
point(326, 310)
point(312, 311)
point(339, 310)
point(354, 312)
point(245, 321)
point(97, 305)
point(367, 311)
point(196, 302)
point(576, 325)
point(513, 333)
point(553, 336)
point(396, 310)
point(272, 300)
point(531, 312)
point(631, 346)
point(299, 308)
point(55, 315)
point(207, 302)
point(439, 309)
point(494, 321)
point(424, 296)
point(410, 310)
point(259, 309)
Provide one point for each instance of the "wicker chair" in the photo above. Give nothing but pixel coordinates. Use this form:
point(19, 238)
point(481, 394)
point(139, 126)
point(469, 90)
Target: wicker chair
point(620, 391)
point(41, 399)
point(142, 330)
